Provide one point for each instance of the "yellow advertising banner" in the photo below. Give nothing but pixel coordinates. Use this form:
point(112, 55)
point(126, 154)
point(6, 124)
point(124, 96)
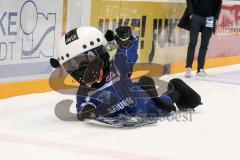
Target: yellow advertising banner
point(155, 23)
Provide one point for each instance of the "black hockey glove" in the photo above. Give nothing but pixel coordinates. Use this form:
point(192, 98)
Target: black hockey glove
point(124, 32)
point(88, 112)
point(123, 37)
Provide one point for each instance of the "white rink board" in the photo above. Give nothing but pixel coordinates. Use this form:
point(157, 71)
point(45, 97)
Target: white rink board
point(28, 35)
point(29, 32)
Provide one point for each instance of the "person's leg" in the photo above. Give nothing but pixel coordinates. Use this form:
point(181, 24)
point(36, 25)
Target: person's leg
point(194, 31)
point(163, 102)
point(148, 84)
point(206, 35)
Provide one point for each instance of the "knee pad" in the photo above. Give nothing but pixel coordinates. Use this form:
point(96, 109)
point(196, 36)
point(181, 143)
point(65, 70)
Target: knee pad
point(147, 83)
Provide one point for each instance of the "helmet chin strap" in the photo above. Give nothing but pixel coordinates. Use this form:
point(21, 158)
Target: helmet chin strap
point(89, 85)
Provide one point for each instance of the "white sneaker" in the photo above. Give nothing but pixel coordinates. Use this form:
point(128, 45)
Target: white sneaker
point(202, 73)
point(188, 73)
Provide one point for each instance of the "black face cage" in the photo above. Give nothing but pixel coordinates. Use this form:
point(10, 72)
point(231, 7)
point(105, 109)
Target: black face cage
point(86, 67)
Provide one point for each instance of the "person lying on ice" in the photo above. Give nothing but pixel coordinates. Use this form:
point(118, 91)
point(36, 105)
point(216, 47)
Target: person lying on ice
point(105, 85)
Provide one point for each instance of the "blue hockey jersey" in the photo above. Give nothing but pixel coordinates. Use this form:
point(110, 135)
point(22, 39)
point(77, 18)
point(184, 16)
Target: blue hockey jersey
point(119, 93)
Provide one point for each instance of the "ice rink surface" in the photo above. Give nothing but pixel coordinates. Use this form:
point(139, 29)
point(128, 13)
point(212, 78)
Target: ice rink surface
point(30, 130)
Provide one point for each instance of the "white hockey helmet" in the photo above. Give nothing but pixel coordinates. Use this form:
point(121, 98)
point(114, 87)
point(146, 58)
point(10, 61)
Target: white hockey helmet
point(81, 52)
point(78, 41)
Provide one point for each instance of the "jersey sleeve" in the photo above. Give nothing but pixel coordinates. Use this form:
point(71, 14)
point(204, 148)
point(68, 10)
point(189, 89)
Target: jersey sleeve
point(130, 52)
point(125, 59)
